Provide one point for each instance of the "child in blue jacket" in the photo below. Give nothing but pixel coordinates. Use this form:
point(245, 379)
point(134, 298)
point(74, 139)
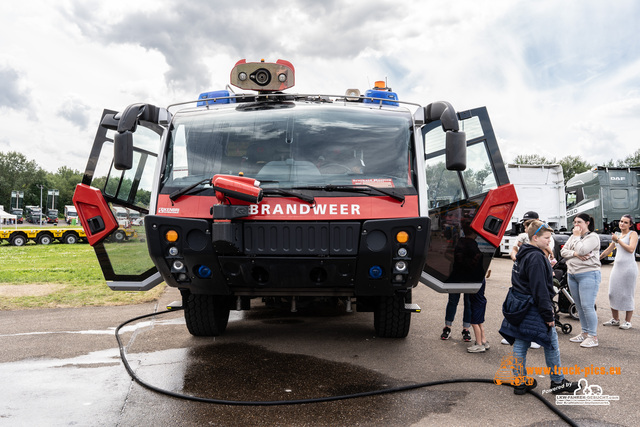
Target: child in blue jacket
point(528, 309)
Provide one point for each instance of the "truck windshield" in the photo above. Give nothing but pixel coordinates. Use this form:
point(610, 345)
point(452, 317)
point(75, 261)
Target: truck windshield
point(286, 145)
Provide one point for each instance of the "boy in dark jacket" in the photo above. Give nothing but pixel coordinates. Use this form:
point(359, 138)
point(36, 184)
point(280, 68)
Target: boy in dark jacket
point(528, 309)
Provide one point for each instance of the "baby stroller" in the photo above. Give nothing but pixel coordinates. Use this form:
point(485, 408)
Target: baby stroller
point(565, 303)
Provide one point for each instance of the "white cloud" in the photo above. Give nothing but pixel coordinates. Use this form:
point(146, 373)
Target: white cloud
point(558, 78)
point(12, 95)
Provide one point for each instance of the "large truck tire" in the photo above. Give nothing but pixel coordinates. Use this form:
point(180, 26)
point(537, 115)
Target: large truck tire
point(390, 319)
point(205, 315)
point(119, 236)
point(70, 238)
point(18, 240)
point(45, 239)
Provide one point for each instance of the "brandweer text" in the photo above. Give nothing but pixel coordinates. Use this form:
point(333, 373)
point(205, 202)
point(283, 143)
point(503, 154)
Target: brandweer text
point(294, 209)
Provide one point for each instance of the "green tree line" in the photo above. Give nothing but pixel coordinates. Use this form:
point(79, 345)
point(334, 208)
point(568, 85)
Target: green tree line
point(17, 173)
point(573, 165)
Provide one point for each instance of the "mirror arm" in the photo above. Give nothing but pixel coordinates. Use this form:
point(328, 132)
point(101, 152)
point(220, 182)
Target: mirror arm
point(455, 141)
point(127, 123)
point(444, 112)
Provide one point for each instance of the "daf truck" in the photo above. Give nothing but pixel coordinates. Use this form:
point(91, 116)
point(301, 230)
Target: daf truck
point(266, 195)
point(605, 193)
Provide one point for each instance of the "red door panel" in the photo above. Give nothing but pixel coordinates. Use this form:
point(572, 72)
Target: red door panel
point(94, 213)
point(492, 219)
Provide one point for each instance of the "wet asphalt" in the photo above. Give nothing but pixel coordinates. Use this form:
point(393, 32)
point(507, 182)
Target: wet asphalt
point(62, 367)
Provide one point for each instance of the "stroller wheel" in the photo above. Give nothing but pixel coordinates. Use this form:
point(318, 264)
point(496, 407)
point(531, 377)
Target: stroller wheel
point(573, 311)
point(567, 328)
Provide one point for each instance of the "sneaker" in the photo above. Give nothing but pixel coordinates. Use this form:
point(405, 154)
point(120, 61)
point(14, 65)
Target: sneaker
point(590, 341)
point(579, 338)
point(466, 335)
point(523, 388)
point(476, 348)
point(612, 322)
point(486, 345)
point(625, 325)
point(534, 345)
point(504, 341)
point(446, 333)
point(564, 386)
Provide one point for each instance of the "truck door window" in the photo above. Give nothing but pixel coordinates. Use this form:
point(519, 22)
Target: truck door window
point(478, 177)
point(444, 185)
point(133, 186)
point(574, 197)
point(448, 186)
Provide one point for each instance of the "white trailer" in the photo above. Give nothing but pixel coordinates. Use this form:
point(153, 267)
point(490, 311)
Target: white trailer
point(70, 213)
point(540, 188)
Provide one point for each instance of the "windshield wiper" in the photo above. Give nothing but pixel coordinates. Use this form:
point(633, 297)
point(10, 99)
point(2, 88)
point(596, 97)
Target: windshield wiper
point(357, 188)
point(303, 197)
point(181, 192)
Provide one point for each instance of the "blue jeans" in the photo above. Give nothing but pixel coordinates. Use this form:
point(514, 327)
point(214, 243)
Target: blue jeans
point(452, 306)
point(551, 356)
point(584, 289)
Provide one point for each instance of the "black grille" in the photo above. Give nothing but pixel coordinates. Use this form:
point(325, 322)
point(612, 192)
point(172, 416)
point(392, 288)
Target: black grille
point(301, 239)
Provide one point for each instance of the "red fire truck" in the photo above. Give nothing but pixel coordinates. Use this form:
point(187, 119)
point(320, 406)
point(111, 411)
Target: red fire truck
point(273, 196)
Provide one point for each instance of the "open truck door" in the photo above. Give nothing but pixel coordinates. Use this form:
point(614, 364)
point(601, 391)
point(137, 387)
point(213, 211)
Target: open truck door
point(116, 181)
point(469, 209)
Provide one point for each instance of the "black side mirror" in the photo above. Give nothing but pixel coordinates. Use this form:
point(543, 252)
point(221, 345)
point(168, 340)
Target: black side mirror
point(456, 151)
point(123, 150)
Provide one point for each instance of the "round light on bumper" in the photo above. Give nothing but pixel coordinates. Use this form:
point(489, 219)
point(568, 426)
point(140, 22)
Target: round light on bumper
point(402, 237)
point(401, 266)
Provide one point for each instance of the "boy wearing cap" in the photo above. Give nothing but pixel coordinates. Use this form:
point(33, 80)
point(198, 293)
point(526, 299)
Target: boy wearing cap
point(523, 238)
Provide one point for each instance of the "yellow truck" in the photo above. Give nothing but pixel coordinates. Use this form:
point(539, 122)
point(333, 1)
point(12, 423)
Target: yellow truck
point(123, 234)
point(42, 236)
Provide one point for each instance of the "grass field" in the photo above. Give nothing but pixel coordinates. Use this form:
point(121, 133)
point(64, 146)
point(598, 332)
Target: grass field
point(59, 275)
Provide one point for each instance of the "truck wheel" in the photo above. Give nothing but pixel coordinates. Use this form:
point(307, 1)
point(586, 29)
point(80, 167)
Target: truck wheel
point(70, 238)
point(390, 319)
point(205, 315)
point(44, 239)
point(18, 240)
point(119, 236)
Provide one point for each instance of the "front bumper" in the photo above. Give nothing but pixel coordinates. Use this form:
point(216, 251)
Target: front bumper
point(262, 258)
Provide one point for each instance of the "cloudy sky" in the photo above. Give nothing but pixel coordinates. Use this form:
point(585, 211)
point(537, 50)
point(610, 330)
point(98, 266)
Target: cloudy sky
point(558, 77)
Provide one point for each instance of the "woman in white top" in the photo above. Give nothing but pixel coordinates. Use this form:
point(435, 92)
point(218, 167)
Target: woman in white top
point(622, 282)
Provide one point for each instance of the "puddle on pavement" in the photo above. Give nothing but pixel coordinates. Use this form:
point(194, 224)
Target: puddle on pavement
point(61, 392)
point(96, 387)
point(245, 372)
